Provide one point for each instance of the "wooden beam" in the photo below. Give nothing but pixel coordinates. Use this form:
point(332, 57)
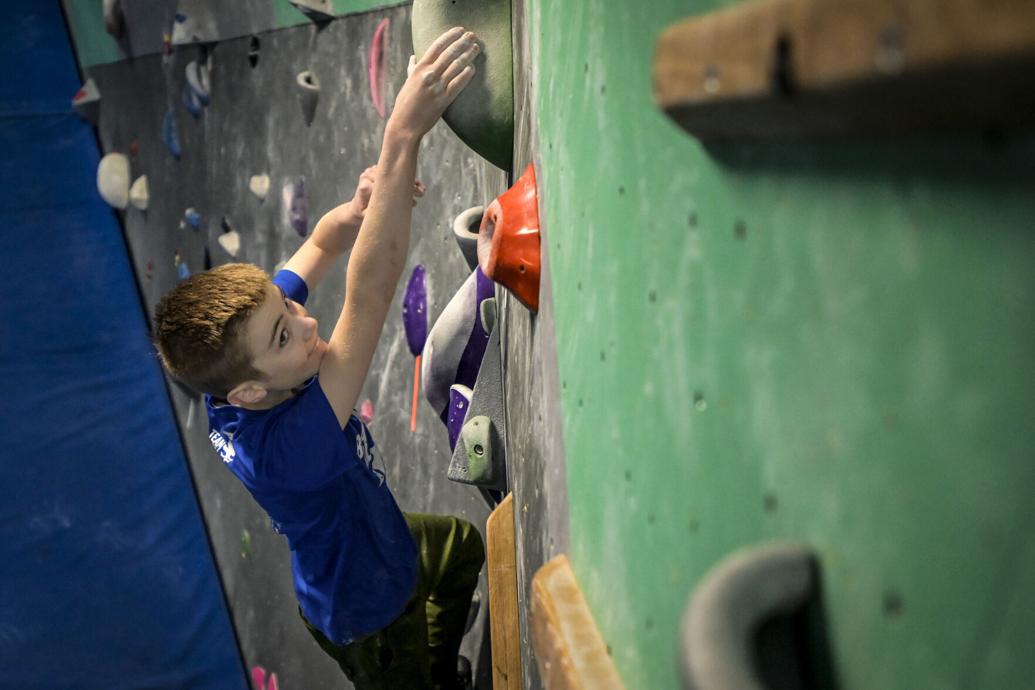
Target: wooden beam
point(569, 651)
point(503, 604)
point(800, 68)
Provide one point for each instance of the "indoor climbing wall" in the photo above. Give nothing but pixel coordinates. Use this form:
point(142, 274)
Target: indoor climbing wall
point(828, 343)
point(243, 177)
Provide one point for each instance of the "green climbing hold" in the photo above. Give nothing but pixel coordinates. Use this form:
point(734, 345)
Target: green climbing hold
point(483, 114)
point(246, 544)
point(476, 435)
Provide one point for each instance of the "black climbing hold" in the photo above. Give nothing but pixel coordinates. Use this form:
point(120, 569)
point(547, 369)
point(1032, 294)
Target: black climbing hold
point(253, 51)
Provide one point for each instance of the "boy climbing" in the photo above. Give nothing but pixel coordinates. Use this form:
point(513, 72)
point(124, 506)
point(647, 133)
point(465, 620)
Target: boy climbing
point(385, 594)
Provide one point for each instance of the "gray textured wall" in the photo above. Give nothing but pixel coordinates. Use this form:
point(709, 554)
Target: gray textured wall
point(254, 125)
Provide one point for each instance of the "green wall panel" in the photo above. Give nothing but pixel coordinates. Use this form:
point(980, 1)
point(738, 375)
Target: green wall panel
point(287, 14)
point(828, 342)
point(93, 45)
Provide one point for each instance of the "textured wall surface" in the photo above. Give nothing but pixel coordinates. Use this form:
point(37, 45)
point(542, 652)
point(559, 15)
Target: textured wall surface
point(822, 342)
point(148, 20)
point(255, 125)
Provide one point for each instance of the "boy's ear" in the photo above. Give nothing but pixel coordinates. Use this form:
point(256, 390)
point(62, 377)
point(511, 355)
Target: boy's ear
point(247, 393)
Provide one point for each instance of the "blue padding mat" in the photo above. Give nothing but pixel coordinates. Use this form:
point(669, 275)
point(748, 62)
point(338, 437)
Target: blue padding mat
point(106, 573)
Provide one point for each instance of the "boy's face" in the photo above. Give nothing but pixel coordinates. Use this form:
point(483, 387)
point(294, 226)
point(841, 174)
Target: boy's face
point(283, 341)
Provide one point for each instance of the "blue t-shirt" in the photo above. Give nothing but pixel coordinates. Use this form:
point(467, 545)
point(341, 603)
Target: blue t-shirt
point(352, 556)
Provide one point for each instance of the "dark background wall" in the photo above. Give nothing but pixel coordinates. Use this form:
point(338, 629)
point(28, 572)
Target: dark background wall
point(255, 125)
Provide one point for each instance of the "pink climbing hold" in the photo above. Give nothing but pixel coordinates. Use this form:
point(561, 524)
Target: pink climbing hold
point(259, 677)
point(272, 685)
point(375, 66)
point(366, 411)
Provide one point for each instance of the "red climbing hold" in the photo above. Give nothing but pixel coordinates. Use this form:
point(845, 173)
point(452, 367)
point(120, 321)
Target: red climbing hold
point(508, 241)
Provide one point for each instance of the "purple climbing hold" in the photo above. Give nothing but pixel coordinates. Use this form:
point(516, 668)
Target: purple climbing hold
point(471, 359)
point(459, 402)
point(456, 343)
point(415, 311)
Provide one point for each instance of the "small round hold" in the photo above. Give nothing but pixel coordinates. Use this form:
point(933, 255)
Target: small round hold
point(478, 449)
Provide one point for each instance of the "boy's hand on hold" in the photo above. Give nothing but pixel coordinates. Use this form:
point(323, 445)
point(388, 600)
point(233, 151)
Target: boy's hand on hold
point(364, 188)
point(434, 82)
point(354, 210)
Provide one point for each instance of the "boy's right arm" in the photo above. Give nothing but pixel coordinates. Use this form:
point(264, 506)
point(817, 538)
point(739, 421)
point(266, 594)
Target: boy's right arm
point(379, 255)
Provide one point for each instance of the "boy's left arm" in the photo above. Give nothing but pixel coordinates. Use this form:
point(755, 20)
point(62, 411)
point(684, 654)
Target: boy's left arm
point(336, 232)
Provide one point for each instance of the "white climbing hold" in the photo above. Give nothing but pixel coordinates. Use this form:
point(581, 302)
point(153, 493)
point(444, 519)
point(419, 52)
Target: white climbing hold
point(260, 185)
point(139, 193)
point(231, 242)
point(198, 81)
point(113, 179)
point(87, 101)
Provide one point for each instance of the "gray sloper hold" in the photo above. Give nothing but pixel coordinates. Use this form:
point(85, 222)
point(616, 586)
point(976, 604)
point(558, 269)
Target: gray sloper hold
point(483, 114)
point(114, 21)
point(485, 425)
point(315, 10)
point(465, 230)
point(730, 604)
point(308, 94)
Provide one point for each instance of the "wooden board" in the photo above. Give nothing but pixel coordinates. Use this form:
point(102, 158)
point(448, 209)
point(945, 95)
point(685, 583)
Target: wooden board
point(817, 67)
point(569, 650)
point(503, 604)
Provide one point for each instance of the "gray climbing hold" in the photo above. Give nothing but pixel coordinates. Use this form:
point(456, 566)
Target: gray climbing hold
point(465, 230)
point(114, 20)
point(476, 435)
point(315, 10)
point(728, 607)
point(483, 114)
point(480, 456)
point(308, 94)
point(487, 310)
point(195, 22)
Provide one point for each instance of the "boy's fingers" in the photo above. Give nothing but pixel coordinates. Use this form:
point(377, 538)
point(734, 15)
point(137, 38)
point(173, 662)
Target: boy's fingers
point(457, 66)
point(459, 82)
point(440, 44)
point(456, 50)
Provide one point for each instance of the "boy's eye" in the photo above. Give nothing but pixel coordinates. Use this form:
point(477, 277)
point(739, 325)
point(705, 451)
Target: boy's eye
point(283, 337)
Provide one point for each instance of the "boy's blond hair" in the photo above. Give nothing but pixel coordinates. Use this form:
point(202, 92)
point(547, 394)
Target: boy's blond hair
point(198, 327)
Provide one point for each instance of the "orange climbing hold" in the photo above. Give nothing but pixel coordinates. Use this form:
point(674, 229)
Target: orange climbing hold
point(508, 240)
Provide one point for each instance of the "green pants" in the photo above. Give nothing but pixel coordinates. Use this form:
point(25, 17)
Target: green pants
point(418, 650)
